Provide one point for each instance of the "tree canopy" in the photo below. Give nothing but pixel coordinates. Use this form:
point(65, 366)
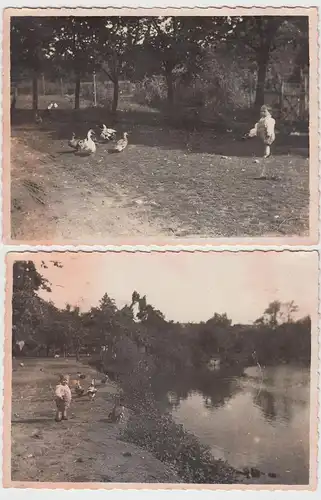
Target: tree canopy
point(128, 47)
point(142, 328)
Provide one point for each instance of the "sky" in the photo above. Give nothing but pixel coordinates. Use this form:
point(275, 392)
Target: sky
point(185, 286)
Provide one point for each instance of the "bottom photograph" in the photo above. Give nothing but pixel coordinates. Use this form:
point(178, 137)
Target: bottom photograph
point(161, 368)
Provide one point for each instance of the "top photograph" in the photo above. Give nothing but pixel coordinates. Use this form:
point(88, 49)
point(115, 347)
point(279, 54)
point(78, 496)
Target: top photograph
point(139, 129)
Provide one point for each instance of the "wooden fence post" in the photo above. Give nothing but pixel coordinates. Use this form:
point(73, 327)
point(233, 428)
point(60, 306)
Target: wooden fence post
point(61, 86)
point(281, 97)
point(43, 84)
point(95, 89)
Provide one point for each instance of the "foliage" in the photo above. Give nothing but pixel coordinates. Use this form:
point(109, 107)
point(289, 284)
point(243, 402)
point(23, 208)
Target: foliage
point(169, 442)
point(139, 331)
point(181, 52)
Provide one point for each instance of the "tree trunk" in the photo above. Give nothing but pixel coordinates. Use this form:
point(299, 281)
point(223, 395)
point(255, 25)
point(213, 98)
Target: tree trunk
point(35, 91)
point(77, 92)
point(170, 85)
point(263, 59)
point(115, 96)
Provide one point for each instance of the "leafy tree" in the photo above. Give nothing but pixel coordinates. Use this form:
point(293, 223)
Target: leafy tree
point(257, 34)
point(118, 37)
point(219, 320)
point(30, 38)
point(176, 42)
point(74, 48)
point(27, 307)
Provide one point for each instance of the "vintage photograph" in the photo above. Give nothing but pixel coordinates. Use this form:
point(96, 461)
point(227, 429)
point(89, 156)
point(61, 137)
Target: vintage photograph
point(165, 128)
point(161, 368)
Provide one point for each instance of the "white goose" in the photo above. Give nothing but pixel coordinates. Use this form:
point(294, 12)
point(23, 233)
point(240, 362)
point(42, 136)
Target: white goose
point(92, 390)
point(122, 143)
point(87, 146)
point(73, 142)
point(107, 133)
point(78, 389)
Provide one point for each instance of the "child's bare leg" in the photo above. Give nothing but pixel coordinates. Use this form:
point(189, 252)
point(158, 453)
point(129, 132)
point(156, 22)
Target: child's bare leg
point(58, 416)
point(263, 173)
point(267, 150)
point(64, 415)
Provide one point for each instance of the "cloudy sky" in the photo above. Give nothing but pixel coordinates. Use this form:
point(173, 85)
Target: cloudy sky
point(185, 286)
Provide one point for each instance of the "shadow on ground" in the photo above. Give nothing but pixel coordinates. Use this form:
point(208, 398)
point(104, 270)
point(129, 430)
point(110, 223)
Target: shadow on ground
point(154, 129)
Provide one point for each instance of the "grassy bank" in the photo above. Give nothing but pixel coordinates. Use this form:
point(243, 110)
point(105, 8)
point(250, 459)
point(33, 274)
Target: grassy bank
point(152, 427)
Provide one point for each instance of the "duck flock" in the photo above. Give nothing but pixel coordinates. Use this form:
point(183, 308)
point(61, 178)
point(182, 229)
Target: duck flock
point(87, 146)
point(117, 412)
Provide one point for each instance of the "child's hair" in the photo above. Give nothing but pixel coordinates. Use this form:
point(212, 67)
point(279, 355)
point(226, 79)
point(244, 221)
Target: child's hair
point(64, 379)
point(265, 107)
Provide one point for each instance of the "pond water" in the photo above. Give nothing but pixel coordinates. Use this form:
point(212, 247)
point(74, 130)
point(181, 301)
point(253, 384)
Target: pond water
point(256, 419)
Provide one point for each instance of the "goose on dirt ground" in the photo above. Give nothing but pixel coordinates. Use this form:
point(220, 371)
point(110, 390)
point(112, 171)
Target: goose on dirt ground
point(87, 146)
point(92, 390)
point(122, 143)
point(107, 134)
point(78, 389)
point(73, 142)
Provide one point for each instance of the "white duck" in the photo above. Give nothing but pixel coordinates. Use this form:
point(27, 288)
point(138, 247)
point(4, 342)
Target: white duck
point(122, 143)
point(73, 142)
point(78, 389)
point(52, 105)
point(87, 146)
point(92, 390)
point(107, 133)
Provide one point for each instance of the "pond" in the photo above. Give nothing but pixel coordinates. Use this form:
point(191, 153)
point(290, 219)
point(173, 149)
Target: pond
point(259, 418)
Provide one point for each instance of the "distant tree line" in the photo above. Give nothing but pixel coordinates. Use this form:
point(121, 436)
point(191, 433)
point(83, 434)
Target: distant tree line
point(138, 333)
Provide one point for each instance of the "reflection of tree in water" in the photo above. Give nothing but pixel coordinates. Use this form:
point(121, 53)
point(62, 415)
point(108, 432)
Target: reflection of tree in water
point(273, 407)
point(266, 402)
point(216, 389)
point(219, 389)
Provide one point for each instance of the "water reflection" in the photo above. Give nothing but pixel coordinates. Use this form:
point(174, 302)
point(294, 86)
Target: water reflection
point(216, 388)
point(258, 419)
point(266, 401)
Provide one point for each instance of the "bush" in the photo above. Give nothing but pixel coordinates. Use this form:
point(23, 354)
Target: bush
point(151, 91)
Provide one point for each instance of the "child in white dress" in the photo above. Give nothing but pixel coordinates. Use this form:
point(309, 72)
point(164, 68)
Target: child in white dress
point(265, 129)
point(63, 398)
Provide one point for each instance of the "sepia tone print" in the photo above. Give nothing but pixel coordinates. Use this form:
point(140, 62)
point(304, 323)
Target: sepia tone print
point(169, 370)
point(177, 128)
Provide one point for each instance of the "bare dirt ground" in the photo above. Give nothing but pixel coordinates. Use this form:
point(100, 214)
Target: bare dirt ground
point(167, 183)
point(86, 448)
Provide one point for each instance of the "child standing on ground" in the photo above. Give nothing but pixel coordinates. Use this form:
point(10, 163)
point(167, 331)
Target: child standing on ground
point(265, 129)
point(63, 398)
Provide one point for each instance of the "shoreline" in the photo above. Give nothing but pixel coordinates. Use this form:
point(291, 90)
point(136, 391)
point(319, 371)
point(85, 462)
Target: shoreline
point(147, 447)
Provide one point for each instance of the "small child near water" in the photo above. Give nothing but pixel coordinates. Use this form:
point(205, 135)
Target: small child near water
point(265, 129)
point(62, 398)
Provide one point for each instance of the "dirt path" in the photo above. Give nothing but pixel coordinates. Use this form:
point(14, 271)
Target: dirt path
point(86, 448)
point(167, 183)
point(51, 202)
